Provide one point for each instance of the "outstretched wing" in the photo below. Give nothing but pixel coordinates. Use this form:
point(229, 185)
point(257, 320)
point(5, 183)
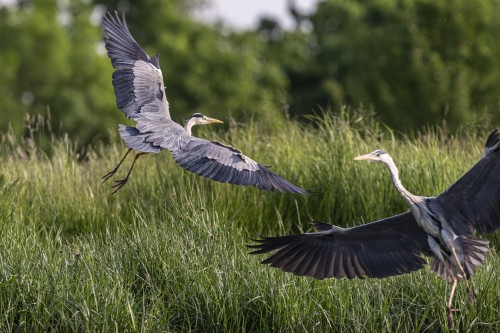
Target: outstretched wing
point(473, 202)
point(210, 159)
point(387, 247)
point(138, 80)
point(226, 164)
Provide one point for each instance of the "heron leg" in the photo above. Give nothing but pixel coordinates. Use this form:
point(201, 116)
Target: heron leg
point(449, 310)
point(472, 298)
point(120, 183)
point(112, 172)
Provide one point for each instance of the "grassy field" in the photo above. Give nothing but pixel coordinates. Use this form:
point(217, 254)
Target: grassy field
point(167, 253)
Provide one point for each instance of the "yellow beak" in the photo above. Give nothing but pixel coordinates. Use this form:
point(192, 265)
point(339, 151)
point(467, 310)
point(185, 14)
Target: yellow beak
point(214, 121)
point(363, 157)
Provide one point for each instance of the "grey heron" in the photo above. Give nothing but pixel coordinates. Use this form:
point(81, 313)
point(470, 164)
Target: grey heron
point(440, 227)
point(140, 94)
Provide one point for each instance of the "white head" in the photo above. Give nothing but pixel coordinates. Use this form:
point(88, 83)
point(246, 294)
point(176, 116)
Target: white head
point(199, 119)
point(375, 156)
point(381, 156)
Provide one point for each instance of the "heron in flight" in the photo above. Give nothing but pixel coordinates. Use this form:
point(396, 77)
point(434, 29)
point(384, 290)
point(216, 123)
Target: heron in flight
point(439, 227)
point(140, 94)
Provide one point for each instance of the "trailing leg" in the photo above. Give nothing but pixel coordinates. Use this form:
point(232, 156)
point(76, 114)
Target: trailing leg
point(120, 183)
point(112, 172)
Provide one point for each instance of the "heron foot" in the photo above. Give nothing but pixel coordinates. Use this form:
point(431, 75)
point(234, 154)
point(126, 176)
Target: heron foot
point(119, 184)
point(109, 175)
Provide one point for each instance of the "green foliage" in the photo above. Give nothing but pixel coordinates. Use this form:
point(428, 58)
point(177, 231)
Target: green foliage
point(417, 62)
point(50, 65)
point(167, 253)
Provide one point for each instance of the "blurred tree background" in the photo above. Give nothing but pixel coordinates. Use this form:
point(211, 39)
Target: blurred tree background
point(415, 63)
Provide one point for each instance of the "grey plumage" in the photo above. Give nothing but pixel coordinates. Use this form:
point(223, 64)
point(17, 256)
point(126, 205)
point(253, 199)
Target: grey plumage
point(140, 94)
point(138, 80)
point(472, 202)
point(387, 247)
point(440, 228)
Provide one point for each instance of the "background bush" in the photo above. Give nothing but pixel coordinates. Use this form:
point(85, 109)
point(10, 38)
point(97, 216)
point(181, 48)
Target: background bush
point(414, 63)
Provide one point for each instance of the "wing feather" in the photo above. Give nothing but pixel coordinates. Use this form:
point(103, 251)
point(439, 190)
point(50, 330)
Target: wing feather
point(138, 80)
point(228, 165)
point(473, 202)
point(387, 247)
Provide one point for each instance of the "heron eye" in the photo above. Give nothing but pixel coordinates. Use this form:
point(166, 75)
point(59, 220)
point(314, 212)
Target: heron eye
point(377, 154)
point(204, 117)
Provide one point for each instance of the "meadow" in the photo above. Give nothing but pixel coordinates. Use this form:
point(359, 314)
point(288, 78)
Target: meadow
point(168, 252)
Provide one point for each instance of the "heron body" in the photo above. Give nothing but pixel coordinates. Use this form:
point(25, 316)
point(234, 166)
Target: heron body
point(140, 94)
point(442, 239)
point(439, 227)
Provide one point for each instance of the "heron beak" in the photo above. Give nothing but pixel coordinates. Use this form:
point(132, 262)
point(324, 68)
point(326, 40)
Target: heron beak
point(366, 157)
point(214, 121)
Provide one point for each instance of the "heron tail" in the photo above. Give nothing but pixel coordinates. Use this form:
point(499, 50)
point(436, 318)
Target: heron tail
point(471, 252)
point(475, 250)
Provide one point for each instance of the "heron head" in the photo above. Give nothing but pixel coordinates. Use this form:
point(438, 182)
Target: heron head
point(200, 119)
point(375, 156)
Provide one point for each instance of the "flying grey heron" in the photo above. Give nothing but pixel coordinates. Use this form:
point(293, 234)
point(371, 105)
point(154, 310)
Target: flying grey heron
point(140, 94)
point(439, 227)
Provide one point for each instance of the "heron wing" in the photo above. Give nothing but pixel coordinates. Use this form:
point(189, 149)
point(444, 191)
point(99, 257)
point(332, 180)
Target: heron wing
point(473, 202)
point(138, 80)
point(387, 247)
point(210, 159)
point(226, 164)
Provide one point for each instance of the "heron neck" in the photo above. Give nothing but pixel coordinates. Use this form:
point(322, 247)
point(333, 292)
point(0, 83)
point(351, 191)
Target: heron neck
point(188, 125)
point(393, 170)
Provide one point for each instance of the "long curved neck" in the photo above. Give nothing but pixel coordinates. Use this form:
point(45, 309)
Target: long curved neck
point(409, 197)
point(188, 125)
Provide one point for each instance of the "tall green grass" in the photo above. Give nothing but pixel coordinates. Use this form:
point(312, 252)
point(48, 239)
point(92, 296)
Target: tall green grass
point(167, 253)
